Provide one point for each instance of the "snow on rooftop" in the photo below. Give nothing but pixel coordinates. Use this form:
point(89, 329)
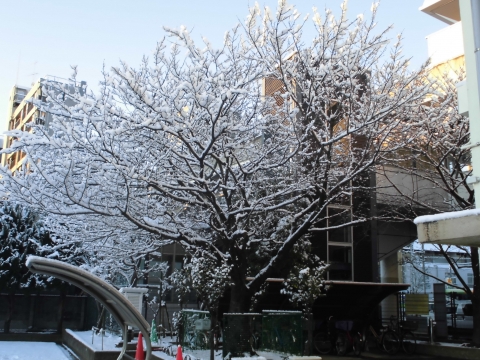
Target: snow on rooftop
point(446, 216)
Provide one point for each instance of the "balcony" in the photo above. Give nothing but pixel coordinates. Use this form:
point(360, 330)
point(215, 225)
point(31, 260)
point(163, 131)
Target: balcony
point(445, 44)
point(447, 11)
point(19, 96)
point(456, 228)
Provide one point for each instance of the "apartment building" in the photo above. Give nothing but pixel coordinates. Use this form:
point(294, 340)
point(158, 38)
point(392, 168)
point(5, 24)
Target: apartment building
point(24, 111)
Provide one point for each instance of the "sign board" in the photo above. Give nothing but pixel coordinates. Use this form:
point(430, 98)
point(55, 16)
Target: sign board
point(416, 304)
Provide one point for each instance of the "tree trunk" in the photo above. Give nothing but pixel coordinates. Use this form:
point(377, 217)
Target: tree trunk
point(240, 299)
point(213, 319)
point(11, 308)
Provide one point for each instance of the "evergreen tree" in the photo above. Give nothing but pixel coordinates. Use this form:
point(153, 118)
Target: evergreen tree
point(23, 233)
point(20, 236)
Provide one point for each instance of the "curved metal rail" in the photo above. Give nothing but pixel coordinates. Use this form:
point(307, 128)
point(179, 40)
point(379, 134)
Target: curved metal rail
point(121, 309)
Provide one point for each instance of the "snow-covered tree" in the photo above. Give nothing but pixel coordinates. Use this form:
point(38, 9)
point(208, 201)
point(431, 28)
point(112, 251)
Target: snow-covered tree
point(119, 253)
point(187, 148)
point(23, 233)
point(413, 259)
point(18, 235)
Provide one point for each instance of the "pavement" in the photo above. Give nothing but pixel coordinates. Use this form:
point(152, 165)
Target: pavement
point(378, 356)
point(424, 351)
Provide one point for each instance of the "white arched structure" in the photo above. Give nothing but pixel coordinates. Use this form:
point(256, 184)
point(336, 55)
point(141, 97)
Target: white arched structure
point(121, 309)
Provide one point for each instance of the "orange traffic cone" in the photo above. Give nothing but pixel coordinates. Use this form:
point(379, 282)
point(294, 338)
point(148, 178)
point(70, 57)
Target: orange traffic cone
point(139, 355)
point(179, 353)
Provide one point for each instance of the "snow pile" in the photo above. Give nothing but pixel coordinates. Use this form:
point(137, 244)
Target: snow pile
point(446, 216)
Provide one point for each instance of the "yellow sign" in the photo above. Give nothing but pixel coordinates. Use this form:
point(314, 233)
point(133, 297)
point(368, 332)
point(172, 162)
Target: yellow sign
point(416, 304)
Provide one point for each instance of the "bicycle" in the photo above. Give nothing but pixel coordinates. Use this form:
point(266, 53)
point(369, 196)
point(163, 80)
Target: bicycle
point(278, 339)
point(282, 342)
point(345, 340)
point(407, 338)
point(388, 340)
point(323, 341)
point(254, 341)
point(196, 333)
point(197, 340)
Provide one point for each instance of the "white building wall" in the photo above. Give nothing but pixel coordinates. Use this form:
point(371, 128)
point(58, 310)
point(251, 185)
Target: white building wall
point(445, 44)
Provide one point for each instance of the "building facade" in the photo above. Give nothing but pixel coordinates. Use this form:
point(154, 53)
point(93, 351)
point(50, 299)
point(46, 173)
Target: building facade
point(21, 114)
point(28, 106)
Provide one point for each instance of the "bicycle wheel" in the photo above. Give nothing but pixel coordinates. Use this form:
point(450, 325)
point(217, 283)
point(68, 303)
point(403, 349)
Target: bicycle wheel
point(322, 343)
point(409, 343)
point(341, 344)
point(370, 342)
point(390, 342)
point(201, 341)
point(357, 344)
point(190, 341)
point(254, 342)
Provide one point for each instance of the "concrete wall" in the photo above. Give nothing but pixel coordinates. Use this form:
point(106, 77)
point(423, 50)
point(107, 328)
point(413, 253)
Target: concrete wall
point(389, 179)
point(390, 272)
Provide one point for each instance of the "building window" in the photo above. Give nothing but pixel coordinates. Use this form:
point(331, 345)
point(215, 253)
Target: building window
point(340, 249)
point(341, 260)
point(470, 279)
point(337, 216)
point(450, 277)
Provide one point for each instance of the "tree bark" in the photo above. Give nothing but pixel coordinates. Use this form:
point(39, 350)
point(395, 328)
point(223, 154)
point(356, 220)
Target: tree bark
point(213, 324)
point(240, 298)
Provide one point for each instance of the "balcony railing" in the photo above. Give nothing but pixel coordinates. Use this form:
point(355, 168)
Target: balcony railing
point(18, 97)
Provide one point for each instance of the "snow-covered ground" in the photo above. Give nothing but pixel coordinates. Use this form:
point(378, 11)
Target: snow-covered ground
point(19, 350)
point(110, 340)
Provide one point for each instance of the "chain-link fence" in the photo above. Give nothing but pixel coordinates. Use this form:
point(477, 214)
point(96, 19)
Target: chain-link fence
point(193, 329)
point(282, 332)
point(241, 333)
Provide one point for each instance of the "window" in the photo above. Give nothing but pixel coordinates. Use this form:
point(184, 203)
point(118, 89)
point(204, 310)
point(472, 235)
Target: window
point(450, 277)
point(337, 216)
point(340, 259)
point(470, 279)
point(340, 250)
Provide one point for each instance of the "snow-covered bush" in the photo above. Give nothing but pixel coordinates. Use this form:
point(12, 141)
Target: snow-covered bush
point(23, 232)
point(306, 280)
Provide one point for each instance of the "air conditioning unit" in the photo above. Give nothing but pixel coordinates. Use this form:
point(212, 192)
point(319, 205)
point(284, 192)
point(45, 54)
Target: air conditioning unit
point(135, 296)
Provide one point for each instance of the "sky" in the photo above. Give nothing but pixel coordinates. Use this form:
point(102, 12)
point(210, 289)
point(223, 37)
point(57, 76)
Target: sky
point(39, 38)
